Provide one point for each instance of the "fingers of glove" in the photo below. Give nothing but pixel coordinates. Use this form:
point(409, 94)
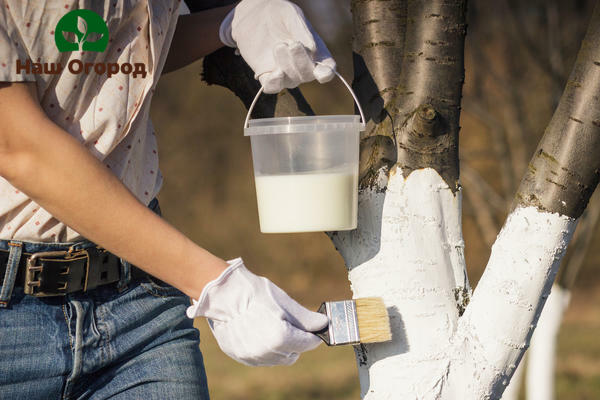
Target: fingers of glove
point(228, 339)
point(273, 82)
point(295, 313)
point(295, 62)
point(268, 342)
point(302, 61)
point(298, 26)
point(299, 341)
point(325, 71)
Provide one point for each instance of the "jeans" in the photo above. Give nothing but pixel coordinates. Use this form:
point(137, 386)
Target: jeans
point(127, 340)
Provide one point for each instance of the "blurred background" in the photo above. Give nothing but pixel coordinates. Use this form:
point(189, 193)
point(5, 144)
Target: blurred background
point(517, 58)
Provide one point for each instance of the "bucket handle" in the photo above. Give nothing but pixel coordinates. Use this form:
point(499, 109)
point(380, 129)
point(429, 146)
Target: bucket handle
point(262, 88)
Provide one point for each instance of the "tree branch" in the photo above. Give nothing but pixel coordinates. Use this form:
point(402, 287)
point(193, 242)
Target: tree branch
point(566, 168)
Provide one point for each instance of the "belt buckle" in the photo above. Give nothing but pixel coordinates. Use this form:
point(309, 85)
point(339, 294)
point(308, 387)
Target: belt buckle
point(33, 270)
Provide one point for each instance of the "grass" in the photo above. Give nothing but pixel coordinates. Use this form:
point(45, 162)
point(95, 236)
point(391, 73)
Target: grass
point(324, 373)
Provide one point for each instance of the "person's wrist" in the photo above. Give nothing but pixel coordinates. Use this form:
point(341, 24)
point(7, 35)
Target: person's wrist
point(196, 270)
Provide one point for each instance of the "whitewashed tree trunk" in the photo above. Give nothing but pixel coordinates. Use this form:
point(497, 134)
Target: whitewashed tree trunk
point(408, 247)
point(409, 250)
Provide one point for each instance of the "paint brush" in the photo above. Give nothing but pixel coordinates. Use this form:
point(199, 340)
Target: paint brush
point(355, 321)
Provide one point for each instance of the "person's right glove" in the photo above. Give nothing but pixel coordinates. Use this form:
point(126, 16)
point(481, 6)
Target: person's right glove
point(254, 321)
point(278, 43)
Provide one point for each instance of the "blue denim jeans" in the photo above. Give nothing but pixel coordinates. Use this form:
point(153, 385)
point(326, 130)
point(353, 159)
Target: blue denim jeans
point(128, 340)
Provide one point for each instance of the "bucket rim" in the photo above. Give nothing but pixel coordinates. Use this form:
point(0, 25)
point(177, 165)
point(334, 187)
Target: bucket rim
point(303, 124)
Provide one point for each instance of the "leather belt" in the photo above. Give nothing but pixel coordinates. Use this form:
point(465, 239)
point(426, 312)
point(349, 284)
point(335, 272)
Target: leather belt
point(57, 273)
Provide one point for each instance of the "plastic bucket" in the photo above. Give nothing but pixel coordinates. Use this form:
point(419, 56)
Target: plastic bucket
point(306, 170)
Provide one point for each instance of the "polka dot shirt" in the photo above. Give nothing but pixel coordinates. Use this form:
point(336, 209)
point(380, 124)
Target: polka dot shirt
point(108, 115)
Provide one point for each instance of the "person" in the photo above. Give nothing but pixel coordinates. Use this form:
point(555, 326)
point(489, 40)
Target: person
point(95, 285)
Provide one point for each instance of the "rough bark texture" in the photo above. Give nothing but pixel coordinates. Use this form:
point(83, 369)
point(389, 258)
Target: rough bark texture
point(408, 60)
point(431, 80)
point(565, 168)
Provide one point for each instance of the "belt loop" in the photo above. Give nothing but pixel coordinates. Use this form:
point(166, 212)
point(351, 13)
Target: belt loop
point(12, 266)
point(125, 275)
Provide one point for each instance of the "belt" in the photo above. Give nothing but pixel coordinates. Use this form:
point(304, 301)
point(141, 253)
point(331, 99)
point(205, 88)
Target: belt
point(57, 273)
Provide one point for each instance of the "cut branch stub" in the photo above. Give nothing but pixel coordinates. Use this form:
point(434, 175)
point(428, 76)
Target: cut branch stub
point(425, 142)
point(425, 125)
point(565, 168)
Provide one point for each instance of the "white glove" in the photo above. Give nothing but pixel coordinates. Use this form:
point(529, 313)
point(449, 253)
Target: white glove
point(254, 321)
point(278, 43)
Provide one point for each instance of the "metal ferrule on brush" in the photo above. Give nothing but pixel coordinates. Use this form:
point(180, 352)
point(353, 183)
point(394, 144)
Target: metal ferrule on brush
point(343, 323)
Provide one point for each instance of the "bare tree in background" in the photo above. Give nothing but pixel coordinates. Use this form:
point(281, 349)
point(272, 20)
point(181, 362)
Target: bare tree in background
point(408, 248)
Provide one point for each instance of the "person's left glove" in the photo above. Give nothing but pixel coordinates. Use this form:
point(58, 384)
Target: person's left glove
point(254, 321)
point(278, 43)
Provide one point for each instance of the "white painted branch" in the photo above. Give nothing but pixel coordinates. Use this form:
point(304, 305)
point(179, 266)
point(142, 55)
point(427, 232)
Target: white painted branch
point(495, 330)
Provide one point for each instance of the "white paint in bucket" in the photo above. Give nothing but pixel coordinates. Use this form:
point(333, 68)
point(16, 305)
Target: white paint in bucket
point(307, 202)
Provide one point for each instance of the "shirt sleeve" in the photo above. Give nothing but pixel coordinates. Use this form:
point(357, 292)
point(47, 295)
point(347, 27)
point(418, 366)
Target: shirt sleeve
point(11, 49)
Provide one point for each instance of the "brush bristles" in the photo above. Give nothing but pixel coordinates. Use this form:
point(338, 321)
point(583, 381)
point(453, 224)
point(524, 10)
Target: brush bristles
point(373, 320)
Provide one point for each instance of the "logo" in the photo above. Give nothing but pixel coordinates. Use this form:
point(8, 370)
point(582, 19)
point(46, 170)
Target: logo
point(82, 30)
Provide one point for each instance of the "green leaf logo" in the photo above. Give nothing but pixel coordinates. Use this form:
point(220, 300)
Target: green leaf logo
point(82, 30)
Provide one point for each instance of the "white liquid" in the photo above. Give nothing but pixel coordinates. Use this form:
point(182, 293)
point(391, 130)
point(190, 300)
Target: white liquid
point(307, 202)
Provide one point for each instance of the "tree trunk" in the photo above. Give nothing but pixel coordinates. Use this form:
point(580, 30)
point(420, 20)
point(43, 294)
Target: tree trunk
point(408, 248)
